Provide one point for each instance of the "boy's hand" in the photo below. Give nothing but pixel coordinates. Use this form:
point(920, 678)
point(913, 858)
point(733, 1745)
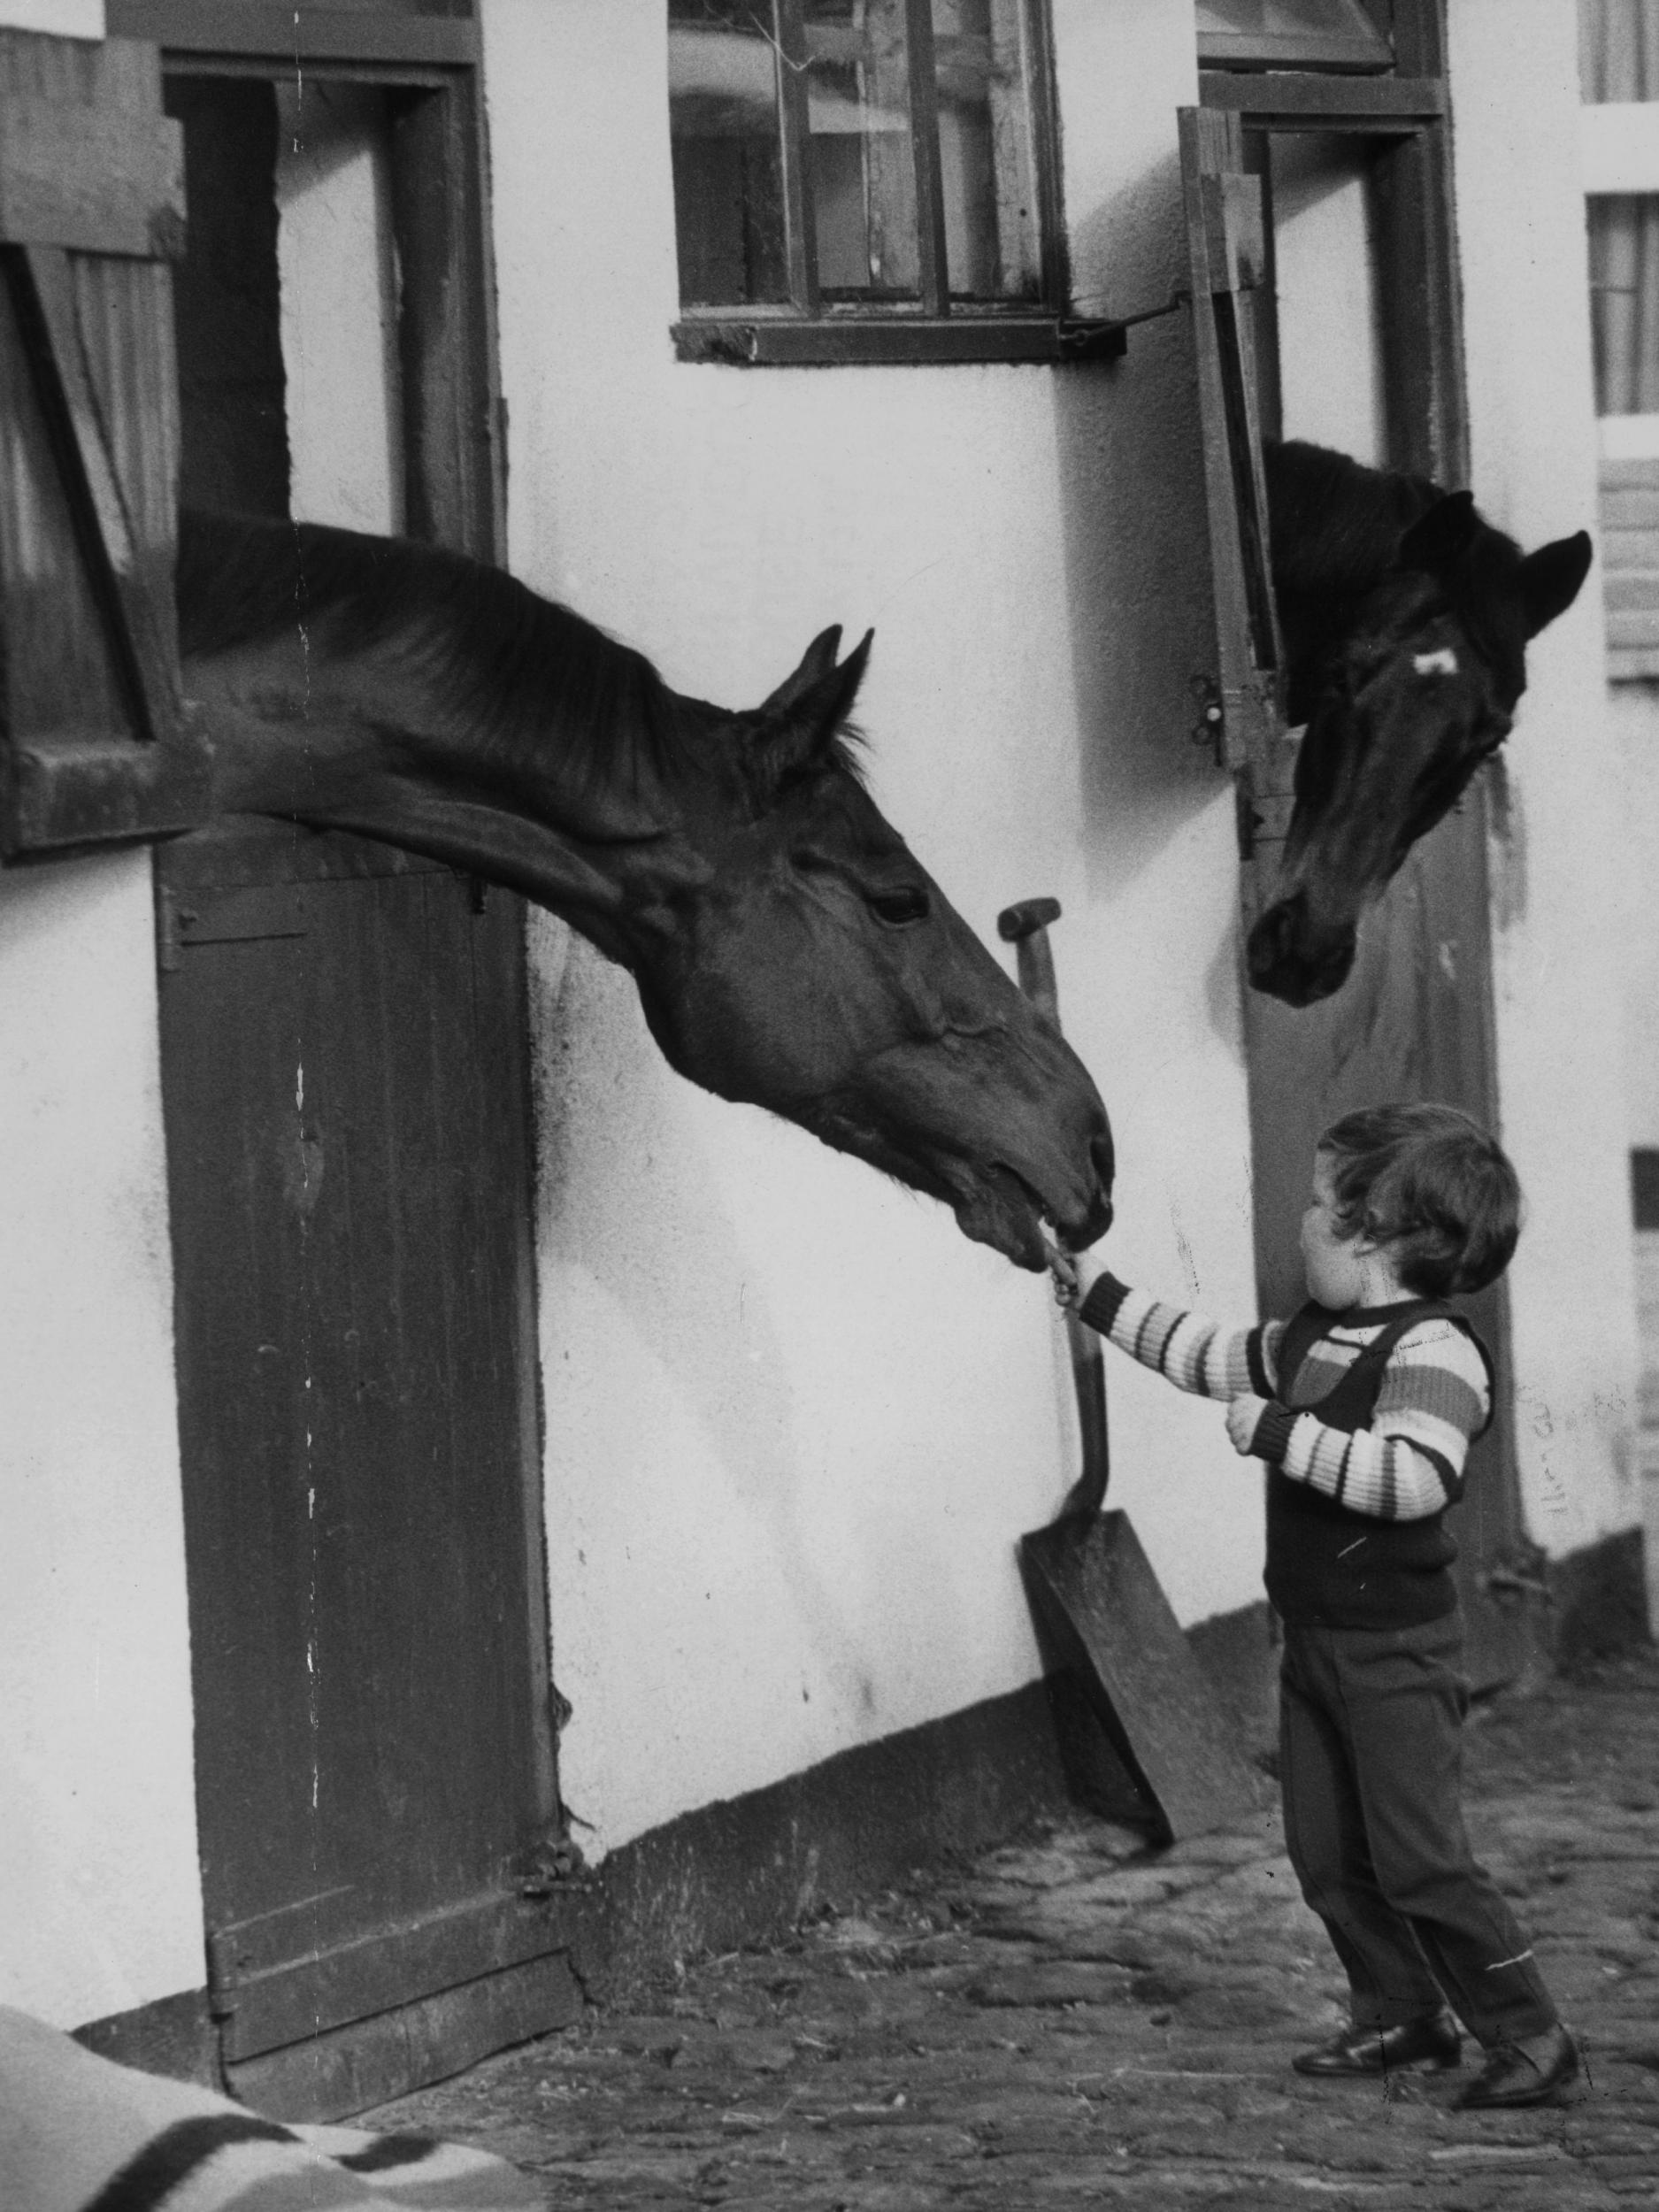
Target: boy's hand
point(1243, 1414)
point(1067, 1290)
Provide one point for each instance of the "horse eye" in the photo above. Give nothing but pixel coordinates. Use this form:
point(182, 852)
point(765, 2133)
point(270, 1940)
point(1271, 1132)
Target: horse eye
point(898, 906)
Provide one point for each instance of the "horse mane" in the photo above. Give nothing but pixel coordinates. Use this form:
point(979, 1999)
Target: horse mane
point(513, 666)
point(1336, 527)
point(1336, 524)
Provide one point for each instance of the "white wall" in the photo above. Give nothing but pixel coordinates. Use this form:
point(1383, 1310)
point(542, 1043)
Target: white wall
point(1330, 349)
point(795, 1422)
point(338, 306)
point(99, 1883)
point(1559, 868)
point(65, 18)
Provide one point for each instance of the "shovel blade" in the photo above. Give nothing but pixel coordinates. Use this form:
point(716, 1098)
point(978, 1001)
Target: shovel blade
point(1094, 1591)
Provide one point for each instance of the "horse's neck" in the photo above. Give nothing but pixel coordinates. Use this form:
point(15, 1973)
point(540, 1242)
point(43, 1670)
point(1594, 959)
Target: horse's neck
point(363, 747)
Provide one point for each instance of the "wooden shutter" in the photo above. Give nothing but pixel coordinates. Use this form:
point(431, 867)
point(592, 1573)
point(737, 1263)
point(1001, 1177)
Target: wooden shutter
point(1227, 247)
point(97, 745)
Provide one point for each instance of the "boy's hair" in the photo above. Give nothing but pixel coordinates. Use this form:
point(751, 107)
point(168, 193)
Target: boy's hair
point(1431, 1185)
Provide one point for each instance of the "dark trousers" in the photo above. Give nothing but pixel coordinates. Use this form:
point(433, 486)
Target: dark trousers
point(1370, 1761)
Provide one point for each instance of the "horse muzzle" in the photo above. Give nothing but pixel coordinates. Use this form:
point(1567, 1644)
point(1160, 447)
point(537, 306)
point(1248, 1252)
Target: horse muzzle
point(1291, 956)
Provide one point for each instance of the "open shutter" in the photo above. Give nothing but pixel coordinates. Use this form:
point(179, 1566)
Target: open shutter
point(97, 745)
point(1227, 248)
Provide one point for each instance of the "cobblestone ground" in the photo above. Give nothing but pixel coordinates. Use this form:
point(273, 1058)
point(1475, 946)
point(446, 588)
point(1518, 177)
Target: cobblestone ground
point(1073, 2020)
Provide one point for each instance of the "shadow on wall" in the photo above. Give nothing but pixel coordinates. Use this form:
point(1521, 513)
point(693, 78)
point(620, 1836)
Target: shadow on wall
point(1136, 545)
point(625, 1197)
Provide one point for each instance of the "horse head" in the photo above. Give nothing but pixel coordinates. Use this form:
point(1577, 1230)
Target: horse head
point(817, 968)
point(1404, 698)
point(789, 949)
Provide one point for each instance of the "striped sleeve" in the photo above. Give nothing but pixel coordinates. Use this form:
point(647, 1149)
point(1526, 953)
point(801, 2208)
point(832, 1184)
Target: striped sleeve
point(1196, 1354)
point(1409, 1462)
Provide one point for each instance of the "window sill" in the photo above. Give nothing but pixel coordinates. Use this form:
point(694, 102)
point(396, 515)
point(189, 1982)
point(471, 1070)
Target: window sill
point(779, 341)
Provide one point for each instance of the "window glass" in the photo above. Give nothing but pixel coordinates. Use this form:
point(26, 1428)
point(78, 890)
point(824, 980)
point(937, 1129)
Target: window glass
point(1624, 302)
point(862, 148)
point(847, 157)
point(1308, 33)
point(727, 154)
point(1618, 50)
point(985, 148)
point(1618, 59)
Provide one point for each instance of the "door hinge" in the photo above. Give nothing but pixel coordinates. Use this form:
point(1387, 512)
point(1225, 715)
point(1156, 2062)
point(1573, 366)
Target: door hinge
point(1210, 729)
point(168, 944)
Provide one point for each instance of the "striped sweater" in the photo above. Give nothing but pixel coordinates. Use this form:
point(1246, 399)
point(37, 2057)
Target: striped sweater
point(1407, 1466)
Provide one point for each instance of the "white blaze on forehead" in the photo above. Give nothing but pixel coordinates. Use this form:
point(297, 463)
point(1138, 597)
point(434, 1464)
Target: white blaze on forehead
point(1442, 662)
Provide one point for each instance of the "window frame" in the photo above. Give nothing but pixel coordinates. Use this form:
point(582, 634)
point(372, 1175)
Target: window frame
point(805, 331)
point(1406, 115)
point(454, 471)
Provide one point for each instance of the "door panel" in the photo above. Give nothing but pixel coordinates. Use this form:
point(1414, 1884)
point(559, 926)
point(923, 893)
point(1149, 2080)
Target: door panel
point(345, 1094)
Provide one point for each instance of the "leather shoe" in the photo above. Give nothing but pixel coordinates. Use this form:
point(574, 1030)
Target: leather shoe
point(1535, 2070)
point(1429, 2046)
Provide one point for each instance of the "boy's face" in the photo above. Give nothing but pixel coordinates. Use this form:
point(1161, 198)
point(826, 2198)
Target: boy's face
point(1333, 1262)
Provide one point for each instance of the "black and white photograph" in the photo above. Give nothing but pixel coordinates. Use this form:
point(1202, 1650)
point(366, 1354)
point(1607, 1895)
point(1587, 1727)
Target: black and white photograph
point(829, 1105)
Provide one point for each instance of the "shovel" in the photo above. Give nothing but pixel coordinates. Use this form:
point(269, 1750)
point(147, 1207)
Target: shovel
point(1097, 1604)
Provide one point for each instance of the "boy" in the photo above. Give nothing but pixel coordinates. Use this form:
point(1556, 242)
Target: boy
point(1363, 1405)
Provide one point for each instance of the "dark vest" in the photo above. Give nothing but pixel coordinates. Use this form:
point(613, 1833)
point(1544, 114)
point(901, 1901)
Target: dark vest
point(1327, 1565)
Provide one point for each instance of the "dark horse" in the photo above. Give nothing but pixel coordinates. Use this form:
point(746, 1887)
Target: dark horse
point(1406, 617)
point(788, 947)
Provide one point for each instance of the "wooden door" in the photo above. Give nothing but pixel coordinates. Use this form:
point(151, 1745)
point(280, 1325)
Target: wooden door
point(1414, 1021)
point(345, 1089)
point(346, 1102)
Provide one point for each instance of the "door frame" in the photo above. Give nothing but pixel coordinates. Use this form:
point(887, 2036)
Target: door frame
point(454, 489)
point(455, 421)
point(1406, 116)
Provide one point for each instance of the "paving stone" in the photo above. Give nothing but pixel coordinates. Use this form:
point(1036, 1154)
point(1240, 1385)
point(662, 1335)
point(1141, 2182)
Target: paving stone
point(1075, 2022)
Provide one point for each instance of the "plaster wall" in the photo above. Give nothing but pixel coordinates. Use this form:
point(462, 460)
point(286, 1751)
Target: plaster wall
point(794, 1422)
point(1561, 853)
point(100, 1903)
point(338, 306)
point(63, 19)
point(1330, 356)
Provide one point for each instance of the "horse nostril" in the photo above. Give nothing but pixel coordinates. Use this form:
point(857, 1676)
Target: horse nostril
point(1272, 940)
point(1105, 1160)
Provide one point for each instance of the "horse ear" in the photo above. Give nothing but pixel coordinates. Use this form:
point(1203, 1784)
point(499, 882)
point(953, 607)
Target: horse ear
point(1438, 538)
point(816, 664)
point(799, 720)
point(1551, 577)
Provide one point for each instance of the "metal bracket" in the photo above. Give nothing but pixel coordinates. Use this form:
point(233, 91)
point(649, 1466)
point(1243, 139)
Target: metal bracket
point(1210, 728)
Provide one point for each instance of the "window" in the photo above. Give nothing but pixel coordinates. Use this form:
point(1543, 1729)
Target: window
point(1290, 34)
point(867, 179)
point(1618, 50)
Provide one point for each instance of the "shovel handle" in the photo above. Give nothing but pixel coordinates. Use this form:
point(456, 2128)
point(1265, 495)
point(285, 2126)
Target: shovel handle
point(1025, 927)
